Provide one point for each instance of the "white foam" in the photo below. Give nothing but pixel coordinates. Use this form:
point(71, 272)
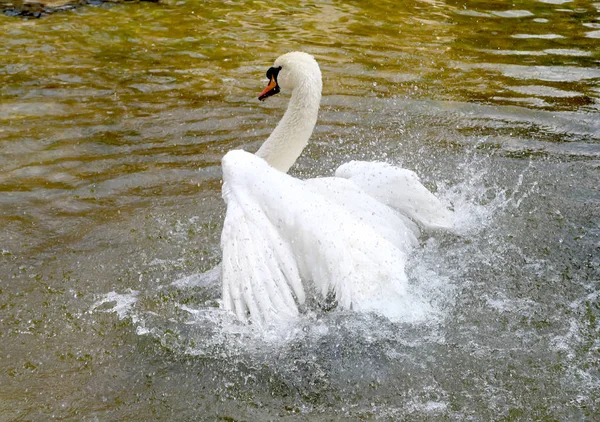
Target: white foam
point(205, 279)
point(123, 303)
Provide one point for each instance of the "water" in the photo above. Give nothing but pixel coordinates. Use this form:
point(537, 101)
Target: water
point(113, 122)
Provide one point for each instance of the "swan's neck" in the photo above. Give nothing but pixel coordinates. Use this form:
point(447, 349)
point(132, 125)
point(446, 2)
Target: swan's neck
point(291, 135)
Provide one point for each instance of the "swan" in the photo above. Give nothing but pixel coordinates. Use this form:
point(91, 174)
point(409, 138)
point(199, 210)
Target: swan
point(284, 239)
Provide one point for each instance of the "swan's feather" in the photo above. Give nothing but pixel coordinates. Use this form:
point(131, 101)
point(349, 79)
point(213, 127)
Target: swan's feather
point(400, 189)
point(389, 224)
point(258, 271)
point(280, 232)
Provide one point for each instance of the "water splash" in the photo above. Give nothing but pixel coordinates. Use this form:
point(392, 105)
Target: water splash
point(121, 303)
point(202, 330)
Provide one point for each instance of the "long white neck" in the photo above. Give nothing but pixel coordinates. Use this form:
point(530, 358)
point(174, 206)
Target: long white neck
point(291, 135)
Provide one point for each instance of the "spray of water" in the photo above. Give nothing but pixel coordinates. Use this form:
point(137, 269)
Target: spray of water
point(432, 270)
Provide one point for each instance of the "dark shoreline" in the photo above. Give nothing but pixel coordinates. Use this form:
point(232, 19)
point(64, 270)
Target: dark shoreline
point(39, 8)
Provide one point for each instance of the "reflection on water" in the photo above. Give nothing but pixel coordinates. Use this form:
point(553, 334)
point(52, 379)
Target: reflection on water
point(113, 120)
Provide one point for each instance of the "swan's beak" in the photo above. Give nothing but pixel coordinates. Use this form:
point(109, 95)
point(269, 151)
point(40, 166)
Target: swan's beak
point(271, 89)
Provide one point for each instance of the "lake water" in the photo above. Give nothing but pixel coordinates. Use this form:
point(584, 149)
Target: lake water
point(113, 121)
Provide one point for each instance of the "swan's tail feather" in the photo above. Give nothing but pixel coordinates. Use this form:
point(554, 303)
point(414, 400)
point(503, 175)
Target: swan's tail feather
point(400, 189)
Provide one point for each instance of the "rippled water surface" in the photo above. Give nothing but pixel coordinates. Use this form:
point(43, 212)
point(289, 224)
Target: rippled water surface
point(113, 120)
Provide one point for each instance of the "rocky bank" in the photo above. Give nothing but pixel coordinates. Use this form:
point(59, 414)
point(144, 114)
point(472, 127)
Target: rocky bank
point(39, 8)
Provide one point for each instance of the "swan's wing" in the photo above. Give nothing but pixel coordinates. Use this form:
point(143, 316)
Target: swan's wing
point(394, 227)
point(258, 278)
point(400, 189)
point(259, 271)
point(279, 230)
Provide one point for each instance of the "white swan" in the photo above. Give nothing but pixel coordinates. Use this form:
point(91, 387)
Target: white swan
point(347, 235)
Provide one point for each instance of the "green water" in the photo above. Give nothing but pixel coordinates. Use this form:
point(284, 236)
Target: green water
point(113, 120)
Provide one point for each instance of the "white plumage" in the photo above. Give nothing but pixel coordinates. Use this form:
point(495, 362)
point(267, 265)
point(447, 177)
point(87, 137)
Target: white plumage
point(350, 234)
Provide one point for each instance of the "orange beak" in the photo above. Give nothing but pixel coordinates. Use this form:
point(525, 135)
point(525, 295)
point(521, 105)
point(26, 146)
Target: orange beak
point(271, 89)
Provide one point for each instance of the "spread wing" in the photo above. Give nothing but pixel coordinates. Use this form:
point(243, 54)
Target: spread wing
point(400, 189)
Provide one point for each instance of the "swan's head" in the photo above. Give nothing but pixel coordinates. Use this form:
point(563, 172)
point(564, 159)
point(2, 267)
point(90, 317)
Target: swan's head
point(290, 71)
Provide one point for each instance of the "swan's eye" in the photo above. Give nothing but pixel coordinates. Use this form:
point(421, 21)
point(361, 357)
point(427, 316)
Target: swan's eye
point(272, 72)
